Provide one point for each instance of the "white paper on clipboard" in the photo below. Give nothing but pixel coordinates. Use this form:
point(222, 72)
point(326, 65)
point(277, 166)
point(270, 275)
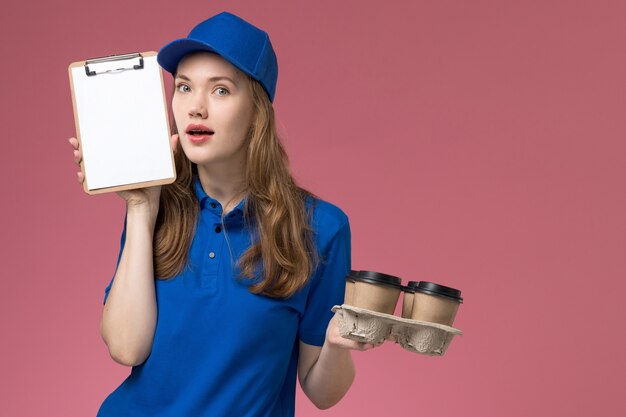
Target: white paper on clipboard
point(122, 122)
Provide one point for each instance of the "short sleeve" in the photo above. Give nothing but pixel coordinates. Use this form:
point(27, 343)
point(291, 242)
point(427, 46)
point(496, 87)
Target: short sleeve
point(119, 256)
point(327, 288)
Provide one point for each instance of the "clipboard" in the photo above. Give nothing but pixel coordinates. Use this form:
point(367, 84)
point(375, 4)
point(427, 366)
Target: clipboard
point(122, 124)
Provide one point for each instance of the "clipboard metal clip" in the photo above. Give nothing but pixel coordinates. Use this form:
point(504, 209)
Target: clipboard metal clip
point(111, 59)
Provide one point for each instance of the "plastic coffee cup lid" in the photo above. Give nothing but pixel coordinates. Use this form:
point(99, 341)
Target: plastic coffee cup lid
point(379, 278)
point(410, 287)
point(352, 275)
point(440, 290)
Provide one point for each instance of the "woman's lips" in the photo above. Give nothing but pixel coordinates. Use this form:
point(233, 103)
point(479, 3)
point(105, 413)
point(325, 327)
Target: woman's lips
point(198, 133)
point(199, 138)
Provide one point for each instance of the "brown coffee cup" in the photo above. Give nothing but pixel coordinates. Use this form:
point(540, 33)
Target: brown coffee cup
point(407, 300)
point(350, 284)
point(376, 291)
point(435, 303)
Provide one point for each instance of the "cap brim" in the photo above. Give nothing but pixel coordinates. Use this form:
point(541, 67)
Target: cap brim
point(170, 55)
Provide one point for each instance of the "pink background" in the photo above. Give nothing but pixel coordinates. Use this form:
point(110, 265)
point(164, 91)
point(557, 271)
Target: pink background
point(478, 144)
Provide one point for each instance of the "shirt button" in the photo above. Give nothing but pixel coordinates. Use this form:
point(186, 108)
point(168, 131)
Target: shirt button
point(218, 229)
point(213, 205)
point(211, 255)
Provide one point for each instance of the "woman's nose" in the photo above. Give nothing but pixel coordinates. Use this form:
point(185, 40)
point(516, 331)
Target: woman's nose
point(198, 108)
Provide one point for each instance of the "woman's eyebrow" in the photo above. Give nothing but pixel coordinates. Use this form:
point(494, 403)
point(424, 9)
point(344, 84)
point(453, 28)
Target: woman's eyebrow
point(212, 79)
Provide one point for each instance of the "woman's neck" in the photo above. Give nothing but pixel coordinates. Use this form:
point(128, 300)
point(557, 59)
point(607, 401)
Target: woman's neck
point(224, 183)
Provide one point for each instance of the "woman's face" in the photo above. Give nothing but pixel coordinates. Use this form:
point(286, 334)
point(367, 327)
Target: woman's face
point(213, 109)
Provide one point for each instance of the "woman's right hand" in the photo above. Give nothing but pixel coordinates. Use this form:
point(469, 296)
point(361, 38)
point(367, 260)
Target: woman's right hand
point(141, 198)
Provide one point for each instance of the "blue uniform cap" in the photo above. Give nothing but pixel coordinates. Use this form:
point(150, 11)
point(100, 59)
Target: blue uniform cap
point(242, 44)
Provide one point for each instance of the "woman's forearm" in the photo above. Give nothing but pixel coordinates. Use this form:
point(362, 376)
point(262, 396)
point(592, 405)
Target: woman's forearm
point(330, 377)
point(129, 316)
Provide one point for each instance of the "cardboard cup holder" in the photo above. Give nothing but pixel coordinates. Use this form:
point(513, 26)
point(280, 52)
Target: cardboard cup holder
point(373, 327)
point(428, 312)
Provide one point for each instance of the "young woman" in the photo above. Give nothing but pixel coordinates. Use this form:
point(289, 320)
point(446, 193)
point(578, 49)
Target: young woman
point(225, 279)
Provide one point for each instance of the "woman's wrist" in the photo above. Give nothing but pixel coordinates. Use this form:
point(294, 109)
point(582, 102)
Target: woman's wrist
point(141, 213)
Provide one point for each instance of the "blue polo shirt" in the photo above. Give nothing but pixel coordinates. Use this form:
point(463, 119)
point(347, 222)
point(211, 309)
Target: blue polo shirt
point(220, 350)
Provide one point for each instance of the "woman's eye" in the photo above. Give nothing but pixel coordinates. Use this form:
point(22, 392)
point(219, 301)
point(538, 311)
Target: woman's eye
point(183, 88)
point(221, 91)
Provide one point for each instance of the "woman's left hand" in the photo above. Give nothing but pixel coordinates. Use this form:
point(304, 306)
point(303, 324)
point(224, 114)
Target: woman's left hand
point(334, 338)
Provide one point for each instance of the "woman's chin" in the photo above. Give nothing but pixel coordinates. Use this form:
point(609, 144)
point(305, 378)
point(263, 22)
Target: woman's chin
point(199, 158)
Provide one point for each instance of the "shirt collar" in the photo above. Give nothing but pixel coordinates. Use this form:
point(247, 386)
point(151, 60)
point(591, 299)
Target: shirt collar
point(214, 206)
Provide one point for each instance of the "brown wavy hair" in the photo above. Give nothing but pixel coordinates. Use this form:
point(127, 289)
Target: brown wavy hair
point(283, 255)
